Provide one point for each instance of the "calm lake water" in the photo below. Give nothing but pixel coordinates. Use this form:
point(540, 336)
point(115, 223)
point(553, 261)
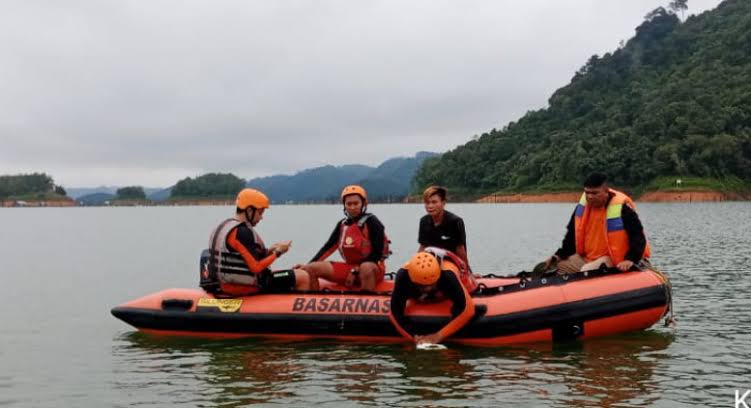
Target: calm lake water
point(64, 269)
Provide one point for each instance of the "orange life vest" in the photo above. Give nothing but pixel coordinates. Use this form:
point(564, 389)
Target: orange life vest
point(451, 262)
point(615, 234)
point(354, 241)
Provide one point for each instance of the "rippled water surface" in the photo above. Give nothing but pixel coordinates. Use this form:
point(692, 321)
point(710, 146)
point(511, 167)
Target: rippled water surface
point(63, 269)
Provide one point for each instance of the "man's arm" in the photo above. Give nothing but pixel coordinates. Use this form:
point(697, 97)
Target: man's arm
point(568, 246)
point(376, 234)
point(330, 246)
point(399, 302)
point(461, 247)
point(636, 239)
point(462, 309)
point(461, 252)
point(253, 264)
point(422, 234)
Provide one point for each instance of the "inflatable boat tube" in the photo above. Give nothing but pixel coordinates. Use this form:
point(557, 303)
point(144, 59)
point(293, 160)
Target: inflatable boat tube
point(510, 310)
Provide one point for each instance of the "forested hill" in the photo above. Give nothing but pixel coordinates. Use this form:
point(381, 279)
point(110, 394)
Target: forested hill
point(675, 100)
point(390, 181)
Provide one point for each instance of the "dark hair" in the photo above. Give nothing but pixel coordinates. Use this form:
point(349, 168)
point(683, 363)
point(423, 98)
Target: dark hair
point(434, 190)
point(595, 180)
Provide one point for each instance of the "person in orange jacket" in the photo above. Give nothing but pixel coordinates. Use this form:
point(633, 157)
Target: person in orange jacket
point(239, 262)
point(424, 279)
point(360, 239)
point(604, 229)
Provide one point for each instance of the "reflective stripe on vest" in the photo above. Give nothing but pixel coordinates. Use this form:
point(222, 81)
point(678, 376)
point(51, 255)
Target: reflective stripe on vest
point(229, 266)
point(616, 236)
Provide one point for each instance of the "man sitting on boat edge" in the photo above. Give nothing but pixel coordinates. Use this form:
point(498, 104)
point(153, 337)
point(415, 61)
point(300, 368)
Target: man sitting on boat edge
point(238, 259)
point(604, 229)
point(432, 276)
point(361, 240)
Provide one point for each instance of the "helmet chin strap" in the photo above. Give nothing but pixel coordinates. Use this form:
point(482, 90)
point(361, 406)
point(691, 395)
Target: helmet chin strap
point(251, 215)
point(362, 211)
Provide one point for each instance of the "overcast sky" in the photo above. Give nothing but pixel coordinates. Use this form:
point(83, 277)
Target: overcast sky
point(147, 92)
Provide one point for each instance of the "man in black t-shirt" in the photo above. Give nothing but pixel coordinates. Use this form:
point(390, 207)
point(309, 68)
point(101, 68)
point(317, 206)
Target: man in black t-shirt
point(441, 228)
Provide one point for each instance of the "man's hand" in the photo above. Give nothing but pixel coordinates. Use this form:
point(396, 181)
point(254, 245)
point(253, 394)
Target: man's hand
point(282, 246)
point(625, 265)
point(352, 278)
point(550, 260)
point(434, 338)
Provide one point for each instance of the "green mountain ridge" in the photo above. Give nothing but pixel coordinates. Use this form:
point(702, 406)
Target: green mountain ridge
point(80, 192)
point(391, 180)
point(674, 101)
point(99, 198)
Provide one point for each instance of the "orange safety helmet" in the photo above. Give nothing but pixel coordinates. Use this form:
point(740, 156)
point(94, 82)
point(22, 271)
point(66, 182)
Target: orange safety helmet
point(249, 197)
point(423, 269)
point(355, 189)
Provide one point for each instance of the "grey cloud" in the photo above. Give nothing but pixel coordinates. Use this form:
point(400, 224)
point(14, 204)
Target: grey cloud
point(146, 92)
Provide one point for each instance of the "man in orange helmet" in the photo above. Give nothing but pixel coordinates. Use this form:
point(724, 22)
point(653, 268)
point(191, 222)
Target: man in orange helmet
point(239, 262)
point(425, 278)
point(361, 241)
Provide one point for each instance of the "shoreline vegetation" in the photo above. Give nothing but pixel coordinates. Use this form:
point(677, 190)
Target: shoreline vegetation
point(689, 195)
point(520, 198)
point(213, 189)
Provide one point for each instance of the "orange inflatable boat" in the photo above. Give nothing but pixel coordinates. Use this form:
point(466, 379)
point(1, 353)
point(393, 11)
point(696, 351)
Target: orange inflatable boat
point(509, 310)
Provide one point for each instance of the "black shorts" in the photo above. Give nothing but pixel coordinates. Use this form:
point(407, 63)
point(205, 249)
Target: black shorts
point(277, 281)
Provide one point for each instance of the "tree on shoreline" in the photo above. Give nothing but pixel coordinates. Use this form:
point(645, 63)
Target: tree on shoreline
point(211, 185)
point(25, 184)
point(131, 193)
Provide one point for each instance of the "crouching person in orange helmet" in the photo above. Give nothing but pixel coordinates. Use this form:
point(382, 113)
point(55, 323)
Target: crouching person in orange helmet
point(239, 262)
point(431, 276)
point(361, 240)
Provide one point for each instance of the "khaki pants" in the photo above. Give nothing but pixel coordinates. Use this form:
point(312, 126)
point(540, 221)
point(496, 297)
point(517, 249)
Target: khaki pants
point(575, 263)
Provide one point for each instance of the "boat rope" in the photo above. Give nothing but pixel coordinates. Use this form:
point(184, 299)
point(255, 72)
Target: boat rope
point(670, 320)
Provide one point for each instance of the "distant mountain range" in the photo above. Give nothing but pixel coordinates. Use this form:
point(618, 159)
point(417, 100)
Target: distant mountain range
point(95, 198)
point(390, 181)
point(78, 192)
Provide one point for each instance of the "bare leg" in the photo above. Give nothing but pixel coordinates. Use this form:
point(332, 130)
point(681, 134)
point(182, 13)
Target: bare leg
point(302, 280)
point(317, 270)
point(572, 264)
point(368, 272)
point(596, 263)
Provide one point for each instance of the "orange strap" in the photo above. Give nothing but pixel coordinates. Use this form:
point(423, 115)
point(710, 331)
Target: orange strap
point(254, 265)
point(462, 319)
point(399, 328)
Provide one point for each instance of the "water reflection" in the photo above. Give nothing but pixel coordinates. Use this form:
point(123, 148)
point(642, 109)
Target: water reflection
point(606, 372)
point(613, 372)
